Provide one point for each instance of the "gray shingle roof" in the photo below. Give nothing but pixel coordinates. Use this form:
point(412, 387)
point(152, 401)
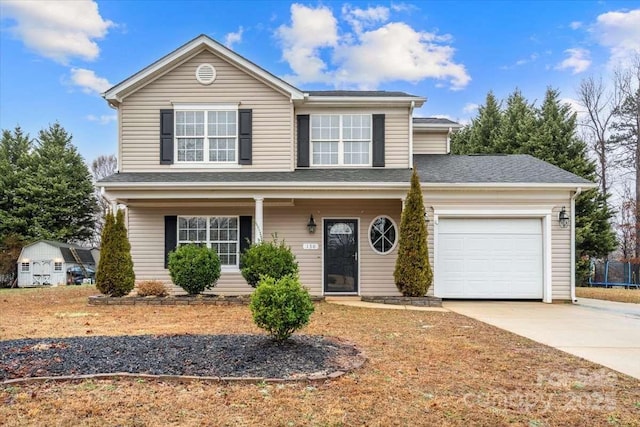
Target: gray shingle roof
point(432, 168)
point(363, 93)
point(516, 168)
point(434, 121)
point(300, 175)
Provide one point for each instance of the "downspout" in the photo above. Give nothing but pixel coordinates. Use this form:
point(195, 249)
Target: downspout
point(449, 140)
point(413, 104)
point(573, 244)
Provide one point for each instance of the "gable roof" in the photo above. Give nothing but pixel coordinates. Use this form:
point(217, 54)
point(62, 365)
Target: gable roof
point(186, 51)
point(488, 169)
point(85, 255)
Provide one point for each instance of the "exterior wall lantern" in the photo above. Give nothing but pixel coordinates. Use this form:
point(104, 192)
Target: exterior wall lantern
point(563, 218)
point(311, 225)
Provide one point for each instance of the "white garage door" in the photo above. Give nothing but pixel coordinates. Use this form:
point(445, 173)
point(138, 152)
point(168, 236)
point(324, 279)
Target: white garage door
point(489, 258)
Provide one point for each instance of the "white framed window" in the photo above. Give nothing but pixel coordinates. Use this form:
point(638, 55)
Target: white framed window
point(57, 266)
point(219, 232)
point(383, 235)
point(206, 134)
point(24, 267)
point(341, 139)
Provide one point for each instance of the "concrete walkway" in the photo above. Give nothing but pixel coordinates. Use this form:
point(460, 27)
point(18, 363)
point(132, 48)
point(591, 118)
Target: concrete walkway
point(603, 332)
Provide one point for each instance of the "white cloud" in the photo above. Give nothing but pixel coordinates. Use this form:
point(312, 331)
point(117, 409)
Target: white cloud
point(520, 62)
point(103, 119)
point(620, 32)
point(59, 30)
point(310, 29)
point(89, 81)
point(233, 38)
point(575, 25)
point(403, 7)
point(360, 19)
point(470, 108)
point(578, 61)
point(374, 53)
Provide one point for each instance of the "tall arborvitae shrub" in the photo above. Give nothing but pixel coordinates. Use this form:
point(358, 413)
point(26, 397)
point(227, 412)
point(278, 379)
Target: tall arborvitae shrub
point(413, 275)
point(115, 275)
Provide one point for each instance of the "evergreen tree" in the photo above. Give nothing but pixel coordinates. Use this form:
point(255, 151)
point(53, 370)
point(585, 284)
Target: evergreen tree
point(412, 274)
point(548, 133)
point(516, 125)
point(483, 132)
point(63, 187)
point(115, 275)
point(16, 167)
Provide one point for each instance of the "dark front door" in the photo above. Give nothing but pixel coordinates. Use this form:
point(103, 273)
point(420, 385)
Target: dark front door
point(341, 255)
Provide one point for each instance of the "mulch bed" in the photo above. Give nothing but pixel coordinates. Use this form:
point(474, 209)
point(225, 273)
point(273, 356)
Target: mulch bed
point(230, 356)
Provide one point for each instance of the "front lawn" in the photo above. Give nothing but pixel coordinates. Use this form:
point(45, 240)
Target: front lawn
point(423, 368)
point(610, 294)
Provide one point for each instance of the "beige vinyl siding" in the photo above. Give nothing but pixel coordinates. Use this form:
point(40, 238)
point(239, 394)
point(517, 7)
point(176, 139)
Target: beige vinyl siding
point(396, 130)
point(146, 235)
point(514, 199)
point(140, 122)
point(430, 142)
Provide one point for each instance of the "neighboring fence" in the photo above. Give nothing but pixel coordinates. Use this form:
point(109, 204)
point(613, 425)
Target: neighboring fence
point(614, 273)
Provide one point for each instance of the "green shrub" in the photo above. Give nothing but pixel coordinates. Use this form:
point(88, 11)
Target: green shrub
point(413, 275)
point(273, 259)
point(281, 306)
point(194, 268)
point(115, 274)
point(152, 288)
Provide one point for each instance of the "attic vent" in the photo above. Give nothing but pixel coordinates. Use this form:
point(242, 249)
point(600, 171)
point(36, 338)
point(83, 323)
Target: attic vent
point(206, 74)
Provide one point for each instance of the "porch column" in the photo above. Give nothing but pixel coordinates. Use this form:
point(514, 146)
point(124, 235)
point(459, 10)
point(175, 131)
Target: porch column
point(259, 229)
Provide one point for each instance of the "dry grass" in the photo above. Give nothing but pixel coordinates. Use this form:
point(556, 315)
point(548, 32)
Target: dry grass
point(424, 368)
point(610, 294)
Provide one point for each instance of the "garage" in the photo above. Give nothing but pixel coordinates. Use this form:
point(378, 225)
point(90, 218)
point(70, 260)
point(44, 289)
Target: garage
point(492, 258)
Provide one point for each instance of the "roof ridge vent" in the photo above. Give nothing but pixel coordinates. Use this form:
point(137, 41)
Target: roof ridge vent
point(206, 74)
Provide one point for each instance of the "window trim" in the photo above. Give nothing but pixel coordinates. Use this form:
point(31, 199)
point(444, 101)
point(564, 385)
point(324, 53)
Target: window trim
point(23, 265)
point(55, 265)
point(395, 243)
point(341, 141)
point(205, 108)
point(224, 267)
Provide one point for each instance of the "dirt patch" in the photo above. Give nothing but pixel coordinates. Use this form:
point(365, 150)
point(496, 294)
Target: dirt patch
point(610, 294)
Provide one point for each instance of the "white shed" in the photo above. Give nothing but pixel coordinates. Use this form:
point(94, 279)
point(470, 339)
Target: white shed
point(47, 262)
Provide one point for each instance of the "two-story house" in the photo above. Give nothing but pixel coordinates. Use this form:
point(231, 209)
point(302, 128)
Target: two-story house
point(214, 149)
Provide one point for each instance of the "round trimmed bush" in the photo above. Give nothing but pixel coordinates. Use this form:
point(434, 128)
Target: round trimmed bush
point(273, 259)
point(281, 306)
point(194, 268)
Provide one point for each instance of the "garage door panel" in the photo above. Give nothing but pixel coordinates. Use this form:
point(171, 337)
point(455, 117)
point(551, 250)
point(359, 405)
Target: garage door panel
point(489, 258)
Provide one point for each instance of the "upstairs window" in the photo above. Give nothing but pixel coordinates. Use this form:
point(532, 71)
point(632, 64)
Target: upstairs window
point(206, 135)
point(341, 140)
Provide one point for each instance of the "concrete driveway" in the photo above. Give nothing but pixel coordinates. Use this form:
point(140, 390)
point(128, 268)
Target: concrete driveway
point(603, 332)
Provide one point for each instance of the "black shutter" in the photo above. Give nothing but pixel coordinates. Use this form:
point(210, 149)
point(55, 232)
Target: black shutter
point(303, 141)
point(244, 136)
point(166, 137)
point(378, 140)
point(246, 227)
point(170, 236)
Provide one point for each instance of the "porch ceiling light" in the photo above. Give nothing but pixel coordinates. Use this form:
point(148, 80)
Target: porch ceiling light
point(311, 225)
point(563, 218)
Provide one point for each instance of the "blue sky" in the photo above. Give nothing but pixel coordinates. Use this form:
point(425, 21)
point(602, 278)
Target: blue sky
point(56, 56)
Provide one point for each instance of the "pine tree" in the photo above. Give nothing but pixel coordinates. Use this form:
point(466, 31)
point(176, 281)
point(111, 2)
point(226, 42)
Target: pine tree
point(115, 276)
point(412, 274)
point(548, 133)
point(63, 187)
point(484, 130)
point(16, 167)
